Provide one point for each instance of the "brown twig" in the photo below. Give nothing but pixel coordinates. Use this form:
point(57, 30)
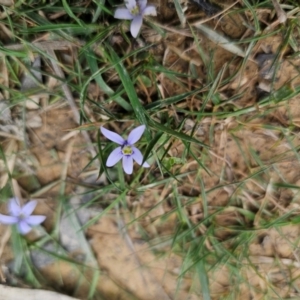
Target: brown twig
point(282, 17)
point(44, 45)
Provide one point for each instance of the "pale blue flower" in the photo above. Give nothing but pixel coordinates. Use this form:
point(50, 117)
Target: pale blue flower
point(21, 216)
point(127, 152)
point(135, 11)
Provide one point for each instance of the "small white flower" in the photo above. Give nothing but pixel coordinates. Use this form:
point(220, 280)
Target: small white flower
point(126, 151)
point(135, 11)
point(22, 215)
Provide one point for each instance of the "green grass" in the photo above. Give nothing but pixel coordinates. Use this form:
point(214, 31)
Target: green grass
point(223, 179)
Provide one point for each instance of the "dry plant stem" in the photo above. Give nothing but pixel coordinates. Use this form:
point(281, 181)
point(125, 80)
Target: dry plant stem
point(45, 189)
point(45, 45)
point(202, 228)
point(10, 136)
point(3, 241)
point(296, 255)
point(216, 15)
point(263, 204)
point(17, 190)
point(279, 11)
point(70, 99)
point(184, 56)
point(11, 157)
point(220, 157)
point(64, 171)
point(184, 32)
point(6, 2)
point(270, 260)
point(246, 198)
point(6, 31)
point(277, 22)
point(269, 28)
point(5, 76)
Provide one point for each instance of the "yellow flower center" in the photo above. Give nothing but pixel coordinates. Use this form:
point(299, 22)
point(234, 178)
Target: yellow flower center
point(135, 11)
point(127, 150)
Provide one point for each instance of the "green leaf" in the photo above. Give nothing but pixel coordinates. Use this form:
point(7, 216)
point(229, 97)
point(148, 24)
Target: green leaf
point(92, 61)
point(71, 14)
point(172, 100)
point(145, 80)
point(203, 280)
point(176, 134)
point(128, 86)
point(169, 162)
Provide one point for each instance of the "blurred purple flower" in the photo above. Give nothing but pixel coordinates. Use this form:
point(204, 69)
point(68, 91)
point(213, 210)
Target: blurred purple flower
point(21, 216)
point(135, 11)
point(127, 151)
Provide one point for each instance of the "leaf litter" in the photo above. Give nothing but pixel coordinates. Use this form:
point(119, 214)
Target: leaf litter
point(249, 166)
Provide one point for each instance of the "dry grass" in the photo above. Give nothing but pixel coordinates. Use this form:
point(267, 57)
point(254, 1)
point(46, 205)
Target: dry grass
point(216, 215)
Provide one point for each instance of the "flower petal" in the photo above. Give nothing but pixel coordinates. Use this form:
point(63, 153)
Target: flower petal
point(137, 155)
point(23, 227)
point(28, 208)
point(128, 164)
point(14, 207)
point(35, 220)
point(112, 136)
point(123, 14)
point(130, 4)
point(142, 4)
point(114, 157)
point(8, 220)
point(145, 165)
point(135, 134)
point(136, 25)
point(150, 10)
